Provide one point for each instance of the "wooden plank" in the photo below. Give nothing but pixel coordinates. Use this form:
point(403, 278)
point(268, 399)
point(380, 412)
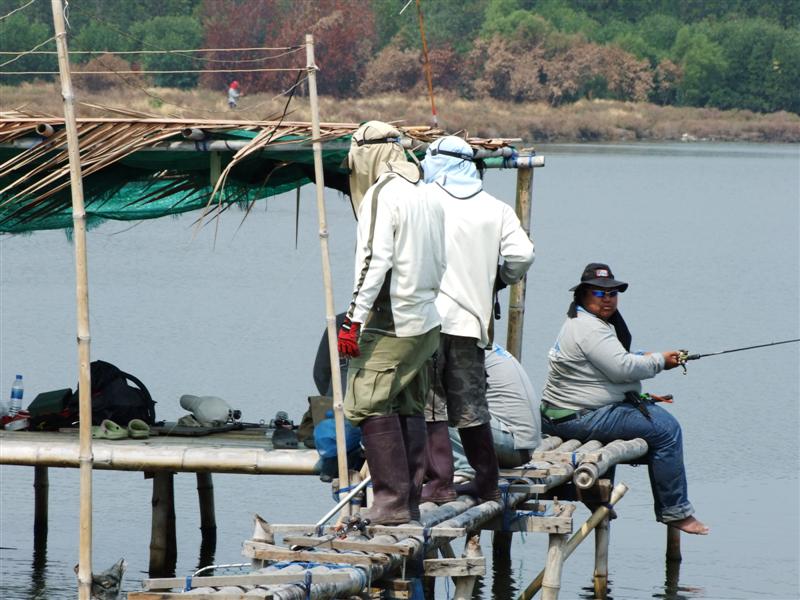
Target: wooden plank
point(567, 457)
point(454, 567)
point(181, 596)
point(263, 551)
point(395, 530)
point(347, 544)
point(531, 524)
point(276, 578)
point(527, 488)
point(533, 473)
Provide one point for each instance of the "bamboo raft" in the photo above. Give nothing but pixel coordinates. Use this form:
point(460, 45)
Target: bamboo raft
point(317, 561)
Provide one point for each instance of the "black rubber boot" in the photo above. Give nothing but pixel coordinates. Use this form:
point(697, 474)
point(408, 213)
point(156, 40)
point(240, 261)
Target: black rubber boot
point(479, 448)
point(414, 435)
point(439, 471)
point(386, 456)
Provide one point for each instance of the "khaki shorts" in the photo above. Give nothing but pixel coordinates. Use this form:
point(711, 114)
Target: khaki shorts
point(458, 391)
point(392, 375)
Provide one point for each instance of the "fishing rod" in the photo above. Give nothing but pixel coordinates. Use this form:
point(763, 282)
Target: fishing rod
point(685, 356)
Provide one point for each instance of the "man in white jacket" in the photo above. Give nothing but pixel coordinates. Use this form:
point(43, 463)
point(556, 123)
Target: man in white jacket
point(480, 232)
point(391, 329)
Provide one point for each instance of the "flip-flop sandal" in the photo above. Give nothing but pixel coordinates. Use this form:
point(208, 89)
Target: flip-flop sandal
point(112, 430)
point(138, 429)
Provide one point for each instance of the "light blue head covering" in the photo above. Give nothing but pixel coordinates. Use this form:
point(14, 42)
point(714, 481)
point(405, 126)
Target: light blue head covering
point(456, 174)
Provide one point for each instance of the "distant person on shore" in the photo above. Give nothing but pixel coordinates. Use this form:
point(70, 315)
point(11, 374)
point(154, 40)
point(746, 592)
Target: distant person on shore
point(391, 329)
point(514, 409)
point(481, 231)
point(233, 95)
point(593, 392)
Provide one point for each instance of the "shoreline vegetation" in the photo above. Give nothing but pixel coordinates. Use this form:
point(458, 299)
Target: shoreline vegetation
point(535, 123)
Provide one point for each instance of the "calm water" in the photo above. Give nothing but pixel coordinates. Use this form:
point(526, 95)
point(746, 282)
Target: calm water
point(707, 235)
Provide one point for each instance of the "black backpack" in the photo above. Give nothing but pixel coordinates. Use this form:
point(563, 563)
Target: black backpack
point(114, 398)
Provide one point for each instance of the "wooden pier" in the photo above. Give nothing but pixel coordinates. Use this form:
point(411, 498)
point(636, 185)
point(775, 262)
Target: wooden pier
point(316, 561)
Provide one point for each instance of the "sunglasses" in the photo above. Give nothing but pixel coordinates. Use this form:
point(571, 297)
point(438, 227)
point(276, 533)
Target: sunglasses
point(604, 293)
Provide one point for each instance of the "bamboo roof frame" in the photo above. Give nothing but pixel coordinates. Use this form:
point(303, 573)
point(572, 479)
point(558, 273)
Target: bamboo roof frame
point(33, 181)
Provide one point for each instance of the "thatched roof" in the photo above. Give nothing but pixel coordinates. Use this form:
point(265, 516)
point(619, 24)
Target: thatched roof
point(136, 167)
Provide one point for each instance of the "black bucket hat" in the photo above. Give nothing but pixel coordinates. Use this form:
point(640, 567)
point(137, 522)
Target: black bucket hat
point(600, 275)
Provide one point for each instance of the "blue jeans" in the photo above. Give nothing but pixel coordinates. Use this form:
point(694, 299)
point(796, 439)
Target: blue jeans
point(664, 458)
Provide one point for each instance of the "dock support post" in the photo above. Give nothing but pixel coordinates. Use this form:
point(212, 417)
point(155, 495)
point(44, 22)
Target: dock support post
point(674, 545)
point(501, 544)
point(428, 582)
point(516, 296)
point(41, 487)
point(163, 542)
point(551, 583)
point(466, 583)
point(205, 495)
point(601, 537)
point(208, 522)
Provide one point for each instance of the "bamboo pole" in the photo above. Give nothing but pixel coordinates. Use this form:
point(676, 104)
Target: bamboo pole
point(597, 516)
point(587, 473)
point(466, 583)
point(330, 311)
point(208, 522)
point(601, 538)
point(516, 297)
point(82, 294)
point(41, 485)
point(428, 74)
point(163, 543)
point(551, 578)
point(674, 545)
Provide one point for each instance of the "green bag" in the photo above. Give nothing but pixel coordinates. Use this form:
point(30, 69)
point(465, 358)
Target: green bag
point(50, 411)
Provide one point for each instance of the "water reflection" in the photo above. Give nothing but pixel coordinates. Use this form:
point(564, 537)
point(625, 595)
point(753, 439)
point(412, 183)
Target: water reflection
point(672, 588)
point(503, 584)
point(39, 570)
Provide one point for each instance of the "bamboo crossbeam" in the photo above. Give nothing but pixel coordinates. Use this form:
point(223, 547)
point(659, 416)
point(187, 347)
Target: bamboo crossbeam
point(39, 449)
point(589, 471)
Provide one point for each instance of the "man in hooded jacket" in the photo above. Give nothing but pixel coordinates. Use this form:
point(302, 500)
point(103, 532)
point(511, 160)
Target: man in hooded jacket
point(391, 329)
point(480, 231)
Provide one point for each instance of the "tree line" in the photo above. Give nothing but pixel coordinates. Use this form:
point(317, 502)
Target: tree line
point(720, 53)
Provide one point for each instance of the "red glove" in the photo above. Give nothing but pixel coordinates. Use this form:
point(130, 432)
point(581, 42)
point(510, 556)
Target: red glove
point(348, 339)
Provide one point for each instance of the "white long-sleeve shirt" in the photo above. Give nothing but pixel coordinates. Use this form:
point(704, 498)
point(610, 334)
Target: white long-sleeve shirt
point(480, 230)
point(400, 259)
point(588, 366)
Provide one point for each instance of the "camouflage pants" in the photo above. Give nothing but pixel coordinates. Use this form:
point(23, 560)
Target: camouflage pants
point(458, 392)
point(392, 375)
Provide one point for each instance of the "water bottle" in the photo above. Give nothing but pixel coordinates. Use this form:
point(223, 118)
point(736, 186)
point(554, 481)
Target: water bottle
point(16, 396)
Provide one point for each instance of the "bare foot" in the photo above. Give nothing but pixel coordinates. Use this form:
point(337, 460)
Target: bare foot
point(690, 525)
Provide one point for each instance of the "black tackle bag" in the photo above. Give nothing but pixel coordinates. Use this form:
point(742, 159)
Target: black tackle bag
point(114, 398)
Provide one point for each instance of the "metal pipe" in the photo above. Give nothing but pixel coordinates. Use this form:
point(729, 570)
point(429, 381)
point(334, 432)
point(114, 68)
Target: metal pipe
point(350, 495)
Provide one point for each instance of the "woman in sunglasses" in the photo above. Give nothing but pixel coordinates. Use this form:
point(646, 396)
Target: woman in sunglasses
point(593, 392)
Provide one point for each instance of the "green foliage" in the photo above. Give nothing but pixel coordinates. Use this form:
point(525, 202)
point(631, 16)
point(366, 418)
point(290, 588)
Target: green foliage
point(99, 37)
point(18, 34)
point(567, 19)
point(704, 67)
point(507, 19)
point(170, 33)
point(755, 69)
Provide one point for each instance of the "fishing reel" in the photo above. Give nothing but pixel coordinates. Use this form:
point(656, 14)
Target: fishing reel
point(682, 358)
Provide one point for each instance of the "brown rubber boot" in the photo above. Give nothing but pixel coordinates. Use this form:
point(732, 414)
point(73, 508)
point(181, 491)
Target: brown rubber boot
point(439, 472)
point(479, 449)
point(386, 456)
point(415, 437)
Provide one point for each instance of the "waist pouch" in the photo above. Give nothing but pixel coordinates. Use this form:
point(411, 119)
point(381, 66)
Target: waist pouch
point(553, 412)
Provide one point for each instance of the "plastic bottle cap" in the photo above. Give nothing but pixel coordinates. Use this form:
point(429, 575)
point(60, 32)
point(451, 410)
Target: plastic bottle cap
point(19, 376)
